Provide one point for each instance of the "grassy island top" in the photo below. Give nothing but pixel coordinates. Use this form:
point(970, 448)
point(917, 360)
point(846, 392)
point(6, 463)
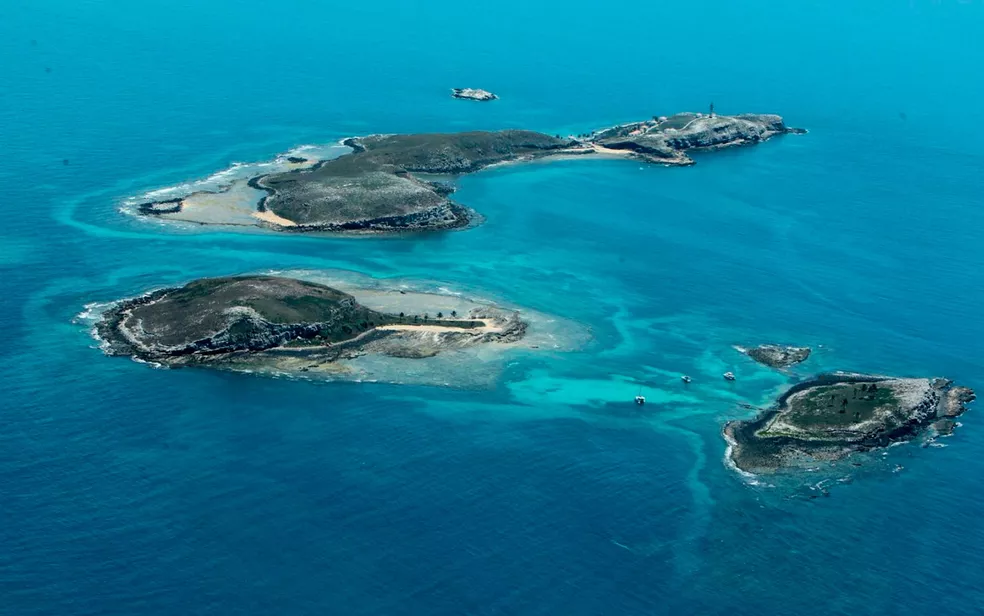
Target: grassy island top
point(204, 307)
point(278, 300)
point(843, 405)
point(850, 409)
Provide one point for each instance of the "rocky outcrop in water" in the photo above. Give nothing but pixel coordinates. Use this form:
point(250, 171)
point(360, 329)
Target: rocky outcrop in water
point(777, 356)
point(835, 415)
point(473, 94)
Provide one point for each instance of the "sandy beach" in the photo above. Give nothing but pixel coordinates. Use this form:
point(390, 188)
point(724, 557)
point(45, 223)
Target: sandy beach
point(486, 328)
point(269, 217)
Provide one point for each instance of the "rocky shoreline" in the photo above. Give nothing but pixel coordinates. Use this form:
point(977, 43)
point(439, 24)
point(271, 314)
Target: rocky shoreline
point(834, 415)
point(377, 189)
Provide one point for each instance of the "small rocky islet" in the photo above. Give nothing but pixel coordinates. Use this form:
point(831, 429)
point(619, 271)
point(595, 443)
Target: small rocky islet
point(386, 183)
point(776, 356)
point(473, 94)
point(258, 319)
point(834, 415)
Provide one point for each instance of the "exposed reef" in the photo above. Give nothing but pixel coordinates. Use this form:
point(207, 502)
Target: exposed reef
point(168, 206)
point(835, 415)
point(473, 94)
point(777, 356)
point(257, 320)
point(381, 185)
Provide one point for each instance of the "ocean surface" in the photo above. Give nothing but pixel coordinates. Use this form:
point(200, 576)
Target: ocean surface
point(126, 489)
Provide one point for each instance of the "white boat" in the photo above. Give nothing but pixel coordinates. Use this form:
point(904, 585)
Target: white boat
point(685, 378)
point(640, 400)
point(729, 376)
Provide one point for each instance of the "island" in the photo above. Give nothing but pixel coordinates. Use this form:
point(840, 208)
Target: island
point(776, 356)
point(835, 415)
point(667, 140)
point(379, 187)
point(473, 94)
point(399, 183)
point(262, 320)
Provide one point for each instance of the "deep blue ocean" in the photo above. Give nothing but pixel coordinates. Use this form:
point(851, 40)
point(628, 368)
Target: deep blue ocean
point(131, 490)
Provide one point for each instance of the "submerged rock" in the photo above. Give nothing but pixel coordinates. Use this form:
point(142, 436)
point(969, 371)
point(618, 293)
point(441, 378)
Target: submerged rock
point(834, 415)
point(777, 356)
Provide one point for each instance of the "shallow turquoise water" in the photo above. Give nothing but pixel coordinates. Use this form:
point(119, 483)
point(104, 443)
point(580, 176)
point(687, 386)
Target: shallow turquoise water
point(126, 490)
